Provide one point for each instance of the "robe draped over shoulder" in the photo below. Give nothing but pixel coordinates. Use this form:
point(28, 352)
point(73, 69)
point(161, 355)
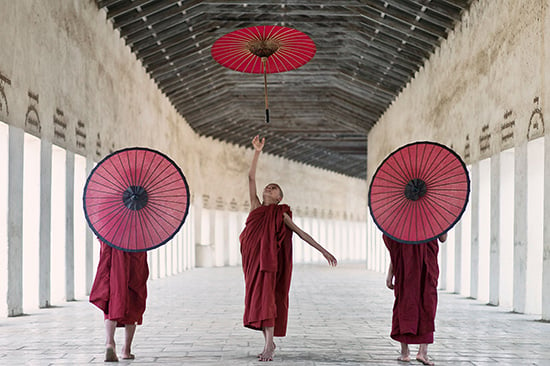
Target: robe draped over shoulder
point(416, 274)
point(266, 249)
point(120, 285)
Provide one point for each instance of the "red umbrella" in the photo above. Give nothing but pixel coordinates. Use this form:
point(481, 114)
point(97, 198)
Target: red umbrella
point(136, 199)
point(264, 49)
point(419, 192)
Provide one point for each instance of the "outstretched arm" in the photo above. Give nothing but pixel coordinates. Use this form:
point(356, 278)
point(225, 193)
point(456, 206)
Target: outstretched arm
point(258, 146)
point(308, 239)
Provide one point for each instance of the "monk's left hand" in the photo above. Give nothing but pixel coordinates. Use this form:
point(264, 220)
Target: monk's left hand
point(330, 259)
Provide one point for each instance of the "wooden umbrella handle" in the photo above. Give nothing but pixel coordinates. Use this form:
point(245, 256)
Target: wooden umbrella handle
point(264, 62)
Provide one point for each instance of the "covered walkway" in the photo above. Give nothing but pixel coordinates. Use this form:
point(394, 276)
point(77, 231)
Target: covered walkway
point(338, 316)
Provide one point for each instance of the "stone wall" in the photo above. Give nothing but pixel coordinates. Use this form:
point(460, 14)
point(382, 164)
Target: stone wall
point(68, 77)
point(482, 92)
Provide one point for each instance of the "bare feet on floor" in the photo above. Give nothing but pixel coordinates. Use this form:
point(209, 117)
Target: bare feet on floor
point(404, 358)
point(424, 360)
point(110, 354)
point(127, 355)
point(268, 353)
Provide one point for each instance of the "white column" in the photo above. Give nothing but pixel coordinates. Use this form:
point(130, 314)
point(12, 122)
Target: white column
point(494, 260)
point(520, 228)
point(4, 159)
point(44, 287)
point(507, 173)
point(69, 226)
point(458, 257)
point(474, 197)
point(546, 239)
point(89, 241)
point(15, 222)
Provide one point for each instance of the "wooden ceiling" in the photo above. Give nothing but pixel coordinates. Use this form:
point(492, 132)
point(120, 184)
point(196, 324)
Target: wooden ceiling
point(321, 113)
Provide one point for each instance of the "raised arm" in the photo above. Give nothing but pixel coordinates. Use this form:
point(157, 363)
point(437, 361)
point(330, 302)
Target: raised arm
point(258, 146)
point(308, 239)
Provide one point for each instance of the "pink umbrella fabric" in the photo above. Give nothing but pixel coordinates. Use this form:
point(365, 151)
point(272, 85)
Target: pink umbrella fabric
point(419, 192)
point(264, 50)
point(136, 199)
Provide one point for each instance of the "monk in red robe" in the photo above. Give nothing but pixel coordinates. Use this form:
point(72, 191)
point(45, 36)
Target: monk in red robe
point(412, 275)
point(120, 291)
point(266, 249)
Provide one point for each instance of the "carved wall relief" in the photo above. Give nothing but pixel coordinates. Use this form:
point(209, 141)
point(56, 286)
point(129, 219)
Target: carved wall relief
point(536, 122)
point(32, 119)
point(507, 130)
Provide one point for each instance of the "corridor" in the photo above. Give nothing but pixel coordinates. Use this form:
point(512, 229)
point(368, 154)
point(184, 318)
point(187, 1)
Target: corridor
point(338, 316)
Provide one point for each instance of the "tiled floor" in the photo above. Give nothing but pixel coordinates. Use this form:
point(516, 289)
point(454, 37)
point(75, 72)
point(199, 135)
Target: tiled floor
point(338, 316)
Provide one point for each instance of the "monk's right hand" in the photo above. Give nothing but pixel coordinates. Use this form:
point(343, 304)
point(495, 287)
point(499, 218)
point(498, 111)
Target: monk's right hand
point(257, 143)
point(330, 259)
point(389, 282)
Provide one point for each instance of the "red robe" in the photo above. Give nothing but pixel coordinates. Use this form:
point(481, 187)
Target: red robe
point(120, 285)
point(416, 273)
point(266, 249)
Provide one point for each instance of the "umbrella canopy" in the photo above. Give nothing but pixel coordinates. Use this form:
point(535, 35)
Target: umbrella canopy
point(419, 192)
point(136, 199)
point(264, 49)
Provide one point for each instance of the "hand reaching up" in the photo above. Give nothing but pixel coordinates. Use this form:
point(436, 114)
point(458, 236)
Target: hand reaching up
point(257, 143)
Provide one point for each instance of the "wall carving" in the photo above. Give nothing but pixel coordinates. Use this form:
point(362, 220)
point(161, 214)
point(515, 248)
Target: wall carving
point(467, 149)
point(98, 146)
point(507, 130)
point(536, 122)
point(80, 136)
point(32, 119)
point(59, 126)
point(485, 141)
point(4, 107)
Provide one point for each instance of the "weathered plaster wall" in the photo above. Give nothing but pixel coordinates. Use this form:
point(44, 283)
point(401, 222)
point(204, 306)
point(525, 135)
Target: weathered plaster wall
point(483, 91)
point(67, 77)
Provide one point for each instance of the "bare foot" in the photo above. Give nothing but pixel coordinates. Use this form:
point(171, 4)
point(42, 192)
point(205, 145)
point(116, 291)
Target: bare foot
point(110, 354)
point(267, 354)
point(424, 360)
point(127, 355)
point(404, 358)
point(265, 349)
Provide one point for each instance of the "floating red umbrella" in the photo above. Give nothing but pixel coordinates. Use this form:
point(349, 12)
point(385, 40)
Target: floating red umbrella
point(136, 199)
point(419, 192)
point(264, 49)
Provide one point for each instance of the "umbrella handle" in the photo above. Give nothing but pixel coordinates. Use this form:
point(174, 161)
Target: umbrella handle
point(264, 63)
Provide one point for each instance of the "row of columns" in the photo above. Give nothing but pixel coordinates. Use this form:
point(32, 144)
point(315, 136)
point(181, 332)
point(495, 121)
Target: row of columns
point(43, 233)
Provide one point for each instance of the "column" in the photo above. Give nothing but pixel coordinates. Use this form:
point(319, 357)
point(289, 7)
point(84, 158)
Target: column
point(458, 257)
point(89, 241)
point(546, 234)
point(474, 202)
point(69, 226)
point(44, 282)
point(15, 221)
point(494, 259)
point(520, 229)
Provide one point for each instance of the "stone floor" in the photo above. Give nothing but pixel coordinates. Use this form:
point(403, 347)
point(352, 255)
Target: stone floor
point(338, 316)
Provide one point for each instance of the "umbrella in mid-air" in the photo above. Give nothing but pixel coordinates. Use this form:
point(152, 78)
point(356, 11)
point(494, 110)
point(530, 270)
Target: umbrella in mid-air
point(419, 192)
point(264, 50)
point(136, 199)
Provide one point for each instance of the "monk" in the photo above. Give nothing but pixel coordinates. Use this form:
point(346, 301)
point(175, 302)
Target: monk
point(266, 249)
point(120, 291)
point(412, 275)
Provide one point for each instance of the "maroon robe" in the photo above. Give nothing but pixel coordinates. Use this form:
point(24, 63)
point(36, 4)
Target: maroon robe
point(416, 273)
point(120, 285)
point(266, 249)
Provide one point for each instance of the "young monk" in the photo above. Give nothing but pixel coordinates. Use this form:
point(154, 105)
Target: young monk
point(266, 249)
point(412, 275)
point(120, 291)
